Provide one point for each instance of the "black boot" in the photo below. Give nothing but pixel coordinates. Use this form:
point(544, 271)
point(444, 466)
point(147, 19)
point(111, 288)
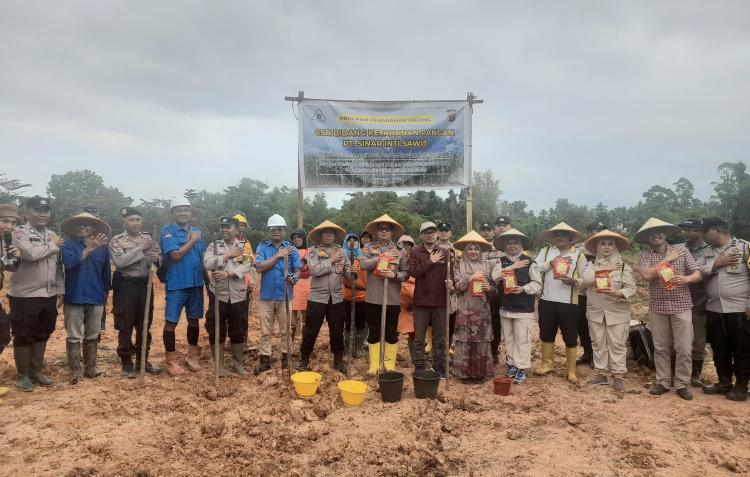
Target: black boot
point(585, 358)
point(73, 351)
point(304, 364)
point(22, 355)
point(127, 367)
point(284, 361)
point(739, 391)
point(338, 364)
point(150, 368)
point(722, 387)
point(695, 375)
point(264, 365)
point(360, 335)
point(89, 359)
point(37, 363)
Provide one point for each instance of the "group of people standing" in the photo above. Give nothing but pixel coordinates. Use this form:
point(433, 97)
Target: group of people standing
point(457, 301)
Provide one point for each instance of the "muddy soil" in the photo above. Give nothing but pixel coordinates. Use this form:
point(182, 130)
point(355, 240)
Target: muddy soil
point(188, 426)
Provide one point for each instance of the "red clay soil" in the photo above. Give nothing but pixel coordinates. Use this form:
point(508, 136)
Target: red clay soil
point(257, 425)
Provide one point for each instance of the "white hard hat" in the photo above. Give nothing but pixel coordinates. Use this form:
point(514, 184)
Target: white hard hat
point(276, 221)
point(178, 201)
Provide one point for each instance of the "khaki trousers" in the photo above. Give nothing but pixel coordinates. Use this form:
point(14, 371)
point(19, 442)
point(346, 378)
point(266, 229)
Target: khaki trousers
point(271, 311)
point(609, 345)
point(672, 332)
point(517, 337)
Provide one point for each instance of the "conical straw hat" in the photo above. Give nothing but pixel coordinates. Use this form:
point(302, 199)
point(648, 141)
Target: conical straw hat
point(652, 224)
point(314, 235)
point(513, 233)
point(621, 242)
point(549, 235)
point(372, 227)
point(68, 225)
point(472, 237)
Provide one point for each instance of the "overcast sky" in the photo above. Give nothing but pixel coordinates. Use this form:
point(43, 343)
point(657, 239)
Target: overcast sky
point(593, 101)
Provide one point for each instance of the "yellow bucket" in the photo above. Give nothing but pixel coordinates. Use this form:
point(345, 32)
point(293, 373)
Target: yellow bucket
point(306, 383)
point(352, 392)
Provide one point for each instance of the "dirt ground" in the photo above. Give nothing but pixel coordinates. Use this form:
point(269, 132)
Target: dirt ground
point(258, 426)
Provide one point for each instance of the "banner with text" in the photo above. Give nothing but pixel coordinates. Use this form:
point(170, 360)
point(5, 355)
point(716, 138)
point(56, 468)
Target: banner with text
point(383, 145)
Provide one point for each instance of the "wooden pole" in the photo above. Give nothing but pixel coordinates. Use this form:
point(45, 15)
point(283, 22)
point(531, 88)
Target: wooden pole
point(217, 318)
point(381, 366)
point(288, 318)
point(146, 312)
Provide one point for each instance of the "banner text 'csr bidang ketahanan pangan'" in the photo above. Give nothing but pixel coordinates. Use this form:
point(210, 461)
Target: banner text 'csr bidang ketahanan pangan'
point(383, 145)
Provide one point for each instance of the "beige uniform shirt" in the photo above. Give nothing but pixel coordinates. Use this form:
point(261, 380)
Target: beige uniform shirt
point(728, 287)
point(326, 283)
point(600, 305)
point(369, 259)
point(38, 275)
point(232, 289)
point(129, 254)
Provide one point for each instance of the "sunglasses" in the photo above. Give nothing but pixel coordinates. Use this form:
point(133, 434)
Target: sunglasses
point(385, 229)
point(276, 229)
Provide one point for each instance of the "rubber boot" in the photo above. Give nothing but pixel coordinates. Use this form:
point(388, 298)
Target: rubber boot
point(571, 353)
point(22, 355)
point(284, 361)
point(411, 349)
point(193, 358)
point(391, 351)
point(127, 367)
point(374, 359)
point(90, 348)
point(237, 358)
point(37, 363)
point(173, 363)
point(263, 365)
point(221, 357)
point(73, 351)
point(360, 335)
point(428, 341)
point(304, 364)
point(548, 359)
point(338, 364)
point(695, 375)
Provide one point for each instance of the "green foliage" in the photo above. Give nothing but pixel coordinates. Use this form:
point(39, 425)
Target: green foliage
point(75, 191)
point(9, 189)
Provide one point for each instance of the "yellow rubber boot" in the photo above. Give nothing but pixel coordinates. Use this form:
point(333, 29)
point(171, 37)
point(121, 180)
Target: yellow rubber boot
point(428, 340)
point(374, 358)
point(548, 358)
point(391, 351)
point(571, 353)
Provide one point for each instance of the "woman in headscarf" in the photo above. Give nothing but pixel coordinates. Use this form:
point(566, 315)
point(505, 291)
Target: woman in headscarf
point(364, 238)
point(472, 358)
point(609, 285)
point(302, 288)
point(353, 252)
point(521, 282)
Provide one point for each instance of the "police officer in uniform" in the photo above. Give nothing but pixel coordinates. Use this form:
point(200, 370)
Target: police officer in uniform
point(35, 292)
point(247, 255)
point(133, 251)
point(228, 286)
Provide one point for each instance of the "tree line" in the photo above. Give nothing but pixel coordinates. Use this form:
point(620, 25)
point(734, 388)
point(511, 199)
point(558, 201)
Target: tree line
point(81, 190)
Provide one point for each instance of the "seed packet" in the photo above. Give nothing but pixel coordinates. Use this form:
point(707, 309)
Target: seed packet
point(509, 281)
point(385, 263)
point(476, 286)
point(602, 281)
point(666, 273)
point(561, 267)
